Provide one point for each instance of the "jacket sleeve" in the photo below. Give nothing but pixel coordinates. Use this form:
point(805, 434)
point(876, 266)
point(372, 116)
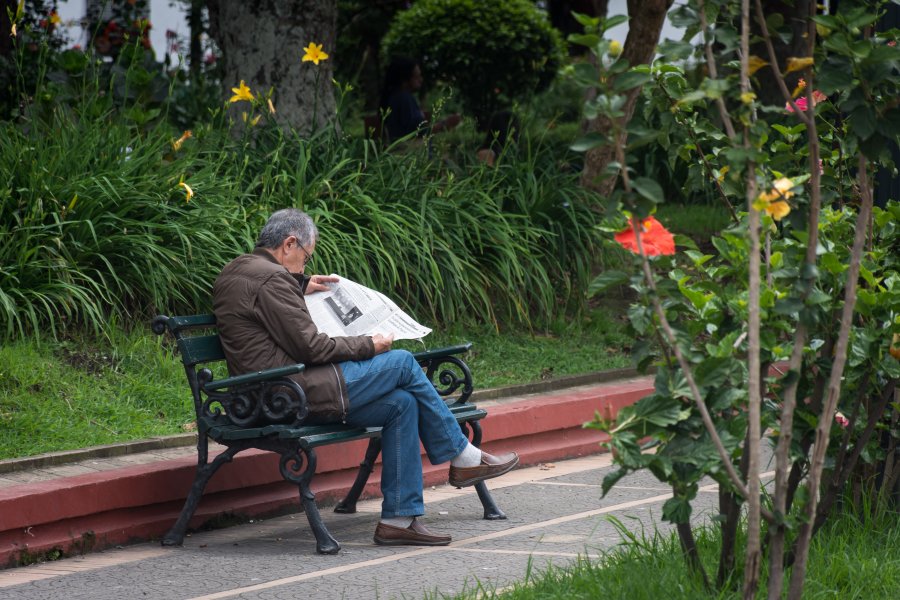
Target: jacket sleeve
point(281, 309)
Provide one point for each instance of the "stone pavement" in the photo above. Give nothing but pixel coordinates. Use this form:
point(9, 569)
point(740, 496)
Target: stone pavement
point(555, 514)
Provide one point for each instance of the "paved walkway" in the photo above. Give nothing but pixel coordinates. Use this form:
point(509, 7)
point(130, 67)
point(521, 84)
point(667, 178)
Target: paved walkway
point(555, 514)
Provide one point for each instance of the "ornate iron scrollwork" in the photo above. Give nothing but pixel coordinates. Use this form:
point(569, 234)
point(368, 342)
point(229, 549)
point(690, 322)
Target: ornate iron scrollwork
point(452, 374)
point(292, 464)
point(263, 403)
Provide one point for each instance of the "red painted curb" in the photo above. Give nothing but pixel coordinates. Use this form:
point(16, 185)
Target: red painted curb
point(89, 512)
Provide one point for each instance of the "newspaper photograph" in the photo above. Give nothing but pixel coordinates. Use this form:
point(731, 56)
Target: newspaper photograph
point(349, 308)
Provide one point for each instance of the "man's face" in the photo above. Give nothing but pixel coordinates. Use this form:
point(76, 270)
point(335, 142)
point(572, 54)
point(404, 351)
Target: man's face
point(295, 256)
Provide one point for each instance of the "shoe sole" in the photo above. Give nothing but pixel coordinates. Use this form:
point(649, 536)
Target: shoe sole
point(474, 480)
point(392, 542)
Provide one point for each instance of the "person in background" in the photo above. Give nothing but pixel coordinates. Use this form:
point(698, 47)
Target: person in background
point(401, 111)
point(263, 323)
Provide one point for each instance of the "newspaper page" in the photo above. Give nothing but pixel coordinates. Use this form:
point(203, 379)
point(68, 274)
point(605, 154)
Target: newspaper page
point(349, 308)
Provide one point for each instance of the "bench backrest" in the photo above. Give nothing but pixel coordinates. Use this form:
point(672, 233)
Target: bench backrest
point(194, 349)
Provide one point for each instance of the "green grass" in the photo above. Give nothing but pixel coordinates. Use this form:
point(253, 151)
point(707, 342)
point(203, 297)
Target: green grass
point(697, 221)
point(851, 557)
point(82, 392)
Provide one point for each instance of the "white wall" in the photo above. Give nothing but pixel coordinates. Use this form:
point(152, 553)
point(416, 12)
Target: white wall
point(162, 17)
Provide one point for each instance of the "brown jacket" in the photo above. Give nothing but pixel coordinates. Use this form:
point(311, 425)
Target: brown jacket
point(264, 323)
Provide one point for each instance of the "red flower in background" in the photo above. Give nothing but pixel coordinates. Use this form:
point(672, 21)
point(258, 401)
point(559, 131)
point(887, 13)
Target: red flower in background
point(655, 238)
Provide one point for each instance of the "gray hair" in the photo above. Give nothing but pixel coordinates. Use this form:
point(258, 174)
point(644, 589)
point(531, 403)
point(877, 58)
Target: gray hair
point(285, 223)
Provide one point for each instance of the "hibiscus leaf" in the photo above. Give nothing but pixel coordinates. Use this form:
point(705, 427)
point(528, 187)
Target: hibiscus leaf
point(649, 189)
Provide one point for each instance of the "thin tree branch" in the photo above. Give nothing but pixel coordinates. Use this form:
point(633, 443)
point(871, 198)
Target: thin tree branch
point(702, 155)
point(752, 557)
point(779, 77)
point(713, 71)
point(823, 427)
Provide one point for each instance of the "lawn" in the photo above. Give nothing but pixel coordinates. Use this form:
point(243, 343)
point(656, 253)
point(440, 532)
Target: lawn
point(80, 392)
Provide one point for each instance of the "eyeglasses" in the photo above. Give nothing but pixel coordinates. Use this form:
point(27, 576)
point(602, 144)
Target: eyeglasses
point(308, 256)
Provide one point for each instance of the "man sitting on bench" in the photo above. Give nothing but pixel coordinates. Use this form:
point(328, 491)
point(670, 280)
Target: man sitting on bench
point(263, 323)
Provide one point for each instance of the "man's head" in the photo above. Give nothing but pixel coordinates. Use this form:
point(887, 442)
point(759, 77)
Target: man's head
point(290, 236)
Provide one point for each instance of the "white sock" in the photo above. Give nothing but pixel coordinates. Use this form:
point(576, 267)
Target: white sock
point(401, 522)
point(470, 457)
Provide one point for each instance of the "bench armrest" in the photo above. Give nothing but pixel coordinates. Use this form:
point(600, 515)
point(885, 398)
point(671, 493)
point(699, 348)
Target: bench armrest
point(449, 373)
point(441, 352)
point(257, 377)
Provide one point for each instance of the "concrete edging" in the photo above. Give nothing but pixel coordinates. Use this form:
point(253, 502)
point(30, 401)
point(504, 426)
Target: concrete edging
point(93, 511)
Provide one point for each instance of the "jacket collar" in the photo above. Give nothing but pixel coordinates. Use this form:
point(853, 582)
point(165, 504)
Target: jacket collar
point(302, 280)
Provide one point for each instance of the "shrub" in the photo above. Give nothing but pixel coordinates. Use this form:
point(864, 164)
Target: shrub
point(494, 53)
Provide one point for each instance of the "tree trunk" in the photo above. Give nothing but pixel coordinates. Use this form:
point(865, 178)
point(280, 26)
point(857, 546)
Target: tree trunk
point(195, 28)
point(262, 44)
point(646, 21)
point(6, 40)
point(689, 549)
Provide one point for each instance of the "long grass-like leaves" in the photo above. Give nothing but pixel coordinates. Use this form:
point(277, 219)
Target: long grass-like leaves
point(94, 226)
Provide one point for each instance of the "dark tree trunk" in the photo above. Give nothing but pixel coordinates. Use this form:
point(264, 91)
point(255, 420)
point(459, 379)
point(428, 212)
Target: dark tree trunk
point(689, 549)
point(262, 43)
point(6, 40)
point(195, 27)
point(647, 18)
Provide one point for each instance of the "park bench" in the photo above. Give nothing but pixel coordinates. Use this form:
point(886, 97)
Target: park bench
point(266, 410)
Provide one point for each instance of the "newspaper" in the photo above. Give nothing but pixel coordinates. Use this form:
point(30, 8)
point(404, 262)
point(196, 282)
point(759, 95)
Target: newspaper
point(349, 308)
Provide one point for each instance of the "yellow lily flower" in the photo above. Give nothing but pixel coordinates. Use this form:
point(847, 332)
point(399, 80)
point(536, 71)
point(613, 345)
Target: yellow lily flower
point(12, 31)
point(242, 92)
point(55, 19)
point(722, 172)
point(314, 53)
point(176, 145)
point(754, 64)
point(271, 106)
point(188, 192)
point(798, 64)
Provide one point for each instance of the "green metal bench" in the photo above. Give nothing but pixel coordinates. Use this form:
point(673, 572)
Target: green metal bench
point(266, 410)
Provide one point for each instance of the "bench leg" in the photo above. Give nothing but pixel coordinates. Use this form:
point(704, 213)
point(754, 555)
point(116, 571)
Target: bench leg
point(175, 535)
point(292, 470)
point(348, 504)
point(491, 511)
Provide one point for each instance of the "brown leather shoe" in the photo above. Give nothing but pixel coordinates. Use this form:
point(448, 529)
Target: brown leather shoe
point(491, 466)
point(414, 535)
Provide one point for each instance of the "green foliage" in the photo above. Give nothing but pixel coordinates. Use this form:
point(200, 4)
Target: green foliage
point(699, 302)
point(116, 235)
point(494, 53)
point(847, 560)
point(117, 74)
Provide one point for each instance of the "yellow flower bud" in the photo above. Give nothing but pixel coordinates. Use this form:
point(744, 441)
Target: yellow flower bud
point(615, 48)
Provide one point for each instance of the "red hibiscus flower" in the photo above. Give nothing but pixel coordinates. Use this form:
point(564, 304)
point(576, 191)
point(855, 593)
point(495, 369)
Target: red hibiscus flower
point(655, 238)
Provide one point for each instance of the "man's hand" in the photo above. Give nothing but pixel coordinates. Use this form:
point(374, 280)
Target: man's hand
point(318, 283)
point(382, 343)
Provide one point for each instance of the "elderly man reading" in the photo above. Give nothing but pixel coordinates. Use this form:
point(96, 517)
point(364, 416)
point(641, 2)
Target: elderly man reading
point(263, 323)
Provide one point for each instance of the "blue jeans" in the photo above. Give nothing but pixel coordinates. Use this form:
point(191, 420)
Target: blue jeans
point(391, 391)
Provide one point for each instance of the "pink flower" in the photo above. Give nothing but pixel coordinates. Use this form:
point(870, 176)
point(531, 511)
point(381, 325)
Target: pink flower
point(892, 43)
point(817, 97)
point(841, 420)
